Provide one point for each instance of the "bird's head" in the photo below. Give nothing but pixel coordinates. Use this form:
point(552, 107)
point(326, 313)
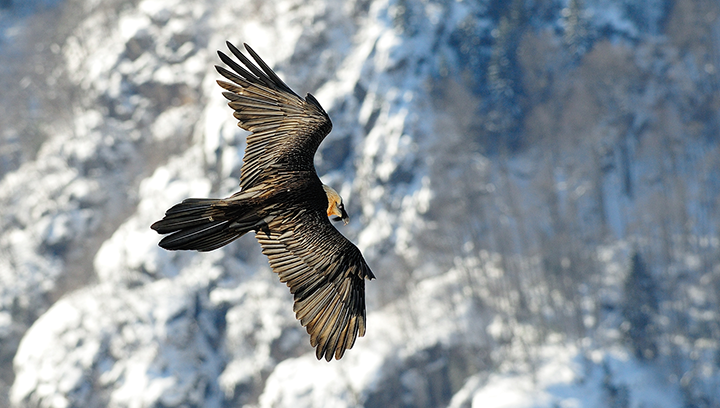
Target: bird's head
point(335, 205)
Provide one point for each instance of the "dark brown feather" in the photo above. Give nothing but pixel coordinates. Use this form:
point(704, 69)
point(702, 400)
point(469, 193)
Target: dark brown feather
point(326, 279)
point(286, 128)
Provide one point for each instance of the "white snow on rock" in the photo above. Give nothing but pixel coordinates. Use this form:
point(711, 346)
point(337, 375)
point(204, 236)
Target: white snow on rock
point(117, 347)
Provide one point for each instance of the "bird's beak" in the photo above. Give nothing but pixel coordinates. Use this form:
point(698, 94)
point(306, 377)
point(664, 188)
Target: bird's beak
point(344, 217)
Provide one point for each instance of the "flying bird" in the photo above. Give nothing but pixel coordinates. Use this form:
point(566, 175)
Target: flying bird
point(283, 201)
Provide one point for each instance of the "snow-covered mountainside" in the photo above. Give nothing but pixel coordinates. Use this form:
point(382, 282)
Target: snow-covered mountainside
point(536, 186)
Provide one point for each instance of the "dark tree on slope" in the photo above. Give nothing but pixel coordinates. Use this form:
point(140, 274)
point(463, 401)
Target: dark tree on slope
point(504, 82)
point(616, 395)
point(577, 31)
point(639, 309)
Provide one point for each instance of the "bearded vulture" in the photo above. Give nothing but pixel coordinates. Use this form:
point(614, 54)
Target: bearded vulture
point(282, 199)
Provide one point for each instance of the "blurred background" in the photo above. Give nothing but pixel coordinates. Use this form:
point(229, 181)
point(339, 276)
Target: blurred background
point(535, 184)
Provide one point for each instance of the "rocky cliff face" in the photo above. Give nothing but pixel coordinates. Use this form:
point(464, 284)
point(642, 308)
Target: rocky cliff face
point(501, 163)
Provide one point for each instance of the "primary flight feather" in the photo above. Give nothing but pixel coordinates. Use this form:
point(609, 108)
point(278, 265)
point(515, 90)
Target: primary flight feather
point(282, 199)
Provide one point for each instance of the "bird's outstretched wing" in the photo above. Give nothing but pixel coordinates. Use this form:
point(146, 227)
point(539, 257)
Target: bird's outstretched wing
point(325, 273)
point(286, 129)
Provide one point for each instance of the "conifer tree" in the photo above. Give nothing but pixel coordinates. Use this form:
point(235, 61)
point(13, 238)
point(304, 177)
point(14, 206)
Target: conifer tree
point(639, 309)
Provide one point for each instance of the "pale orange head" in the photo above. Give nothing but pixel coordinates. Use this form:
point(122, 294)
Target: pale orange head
point(335, 205)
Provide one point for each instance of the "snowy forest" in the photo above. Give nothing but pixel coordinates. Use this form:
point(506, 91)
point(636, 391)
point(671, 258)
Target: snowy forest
point(534, 183)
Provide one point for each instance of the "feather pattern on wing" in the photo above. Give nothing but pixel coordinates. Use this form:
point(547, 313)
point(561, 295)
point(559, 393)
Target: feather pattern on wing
point(286, 129)
point(325, 273)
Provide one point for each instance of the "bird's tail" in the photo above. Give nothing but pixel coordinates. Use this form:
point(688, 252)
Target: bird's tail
point(204, 224)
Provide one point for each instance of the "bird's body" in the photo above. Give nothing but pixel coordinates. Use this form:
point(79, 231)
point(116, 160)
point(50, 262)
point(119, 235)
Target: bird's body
point(283, 200)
